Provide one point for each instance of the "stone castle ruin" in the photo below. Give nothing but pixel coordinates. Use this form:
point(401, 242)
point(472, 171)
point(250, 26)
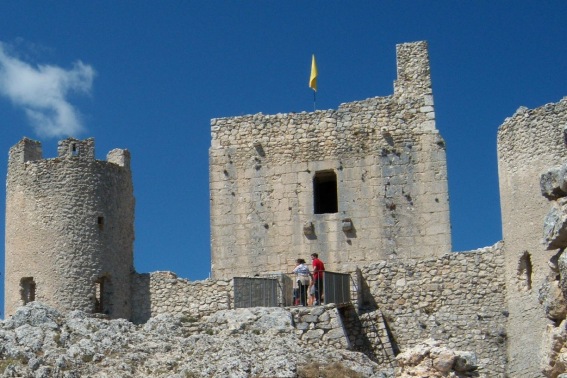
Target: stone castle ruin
point(365, 186)
point(69, 228)
point(363, 183)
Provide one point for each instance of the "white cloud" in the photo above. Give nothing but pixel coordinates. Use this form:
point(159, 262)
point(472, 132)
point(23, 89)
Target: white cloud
point(42, 93)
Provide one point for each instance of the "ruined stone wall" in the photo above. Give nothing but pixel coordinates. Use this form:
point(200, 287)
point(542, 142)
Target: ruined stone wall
point(458, 299)
point(160, 293)
point(529, 142)
point(164, 293)
point(390, 167)
point(69, 223)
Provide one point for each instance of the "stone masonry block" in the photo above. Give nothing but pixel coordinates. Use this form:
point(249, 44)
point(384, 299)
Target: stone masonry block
point(553, 183)
point(555, 226)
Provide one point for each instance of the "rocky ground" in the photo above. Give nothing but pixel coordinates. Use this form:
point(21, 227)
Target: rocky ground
point(40, 342)
point(259, 342)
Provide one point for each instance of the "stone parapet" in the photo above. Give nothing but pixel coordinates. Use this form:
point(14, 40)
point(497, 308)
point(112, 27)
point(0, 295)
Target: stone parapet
point(164, 293)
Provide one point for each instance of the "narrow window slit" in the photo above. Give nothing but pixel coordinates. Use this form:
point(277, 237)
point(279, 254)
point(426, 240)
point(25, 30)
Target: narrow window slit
point(525, 270)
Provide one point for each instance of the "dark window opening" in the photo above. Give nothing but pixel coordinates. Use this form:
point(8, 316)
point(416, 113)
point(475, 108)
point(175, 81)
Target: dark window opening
point(325, 192)
point(27, 289)
point(99, 295)
point(100, 223)
point(103, 295)
point(74, 150)
point(525, 269)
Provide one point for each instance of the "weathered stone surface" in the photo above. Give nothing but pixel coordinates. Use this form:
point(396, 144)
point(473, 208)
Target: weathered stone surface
point(387, 160)
point(82, 346)
point(443, 359)
point(553, 300)
point(562, 262)
point(336, 333)
point(555, 225)
point(554, 351)
point(553, 183)
point(69, 228)
point(458, 299)
point(154, 294)
point(530, 142)
point(428, 359)
point(465, 362)
point(34, 314)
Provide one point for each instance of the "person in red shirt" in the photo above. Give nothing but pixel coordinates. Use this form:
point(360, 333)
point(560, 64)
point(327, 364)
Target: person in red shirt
point(318, 271)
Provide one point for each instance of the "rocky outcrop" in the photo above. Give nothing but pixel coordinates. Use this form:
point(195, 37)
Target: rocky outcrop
point(553, 294)
point(431, 360)
point(552, 183)
point(39, 342)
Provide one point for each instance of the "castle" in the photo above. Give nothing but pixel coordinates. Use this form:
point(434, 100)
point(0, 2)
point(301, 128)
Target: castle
point(366, 182)
point(365, 186)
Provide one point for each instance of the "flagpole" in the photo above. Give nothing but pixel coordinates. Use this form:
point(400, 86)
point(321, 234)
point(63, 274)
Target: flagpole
point(314, 99)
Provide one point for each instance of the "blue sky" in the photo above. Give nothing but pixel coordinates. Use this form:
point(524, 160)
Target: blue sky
point(149, 75)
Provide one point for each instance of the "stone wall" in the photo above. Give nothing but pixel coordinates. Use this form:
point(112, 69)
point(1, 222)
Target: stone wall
point(367, 332)
point(458, 298)
point(160, 293)
point(529, 142)
point(383, 155)
point(319, 326)
point(69, 228)
point(164, 293)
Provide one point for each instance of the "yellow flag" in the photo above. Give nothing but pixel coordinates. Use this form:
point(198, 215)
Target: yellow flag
point(313, 77)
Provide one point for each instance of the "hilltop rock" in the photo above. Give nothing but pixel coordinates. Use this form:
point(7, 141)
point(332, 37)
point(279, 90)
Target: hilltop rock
point(259, 342)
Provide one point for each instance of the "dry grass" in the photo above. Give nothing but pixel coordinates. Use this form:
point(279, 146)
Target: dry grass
point(7, 362)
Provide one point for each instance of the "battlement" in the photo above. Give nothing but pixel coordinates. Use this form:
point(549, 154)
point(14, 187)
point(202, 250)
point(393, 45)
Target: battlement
point(352, 129)
point(30, 150)
point(25, 150)
point(414, 79)
point(72, 147)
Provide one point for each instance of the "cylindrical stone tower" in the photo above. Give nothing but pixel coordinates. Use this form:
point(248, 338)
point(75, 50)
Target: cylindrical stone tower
point(529, 143)
point(69, 229)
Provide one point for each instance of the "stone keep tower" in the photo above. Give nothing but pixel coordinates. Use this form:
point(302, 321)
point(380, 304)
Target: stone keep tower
point(69, 229)
point(362, 183)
